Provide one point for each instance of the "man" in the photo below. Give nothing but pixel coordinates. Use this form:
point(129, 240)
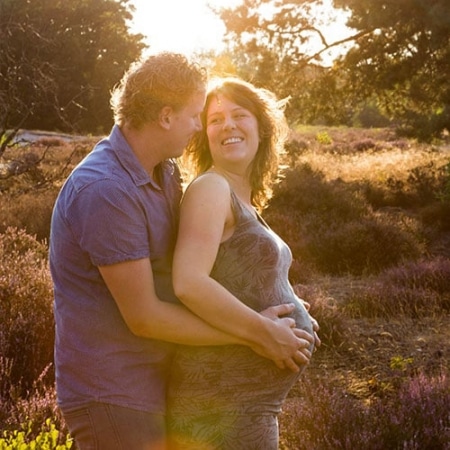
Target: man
point(112, 238)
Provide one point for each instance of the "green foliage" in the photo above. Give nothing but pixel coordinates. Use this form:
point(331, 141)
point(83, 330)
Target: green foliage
point(322, 137)
point(402, 54)
point(60, 61)
point(274, 51)
point(369, 116)
point(398, 60)
point(400, 363)
point(49, 438)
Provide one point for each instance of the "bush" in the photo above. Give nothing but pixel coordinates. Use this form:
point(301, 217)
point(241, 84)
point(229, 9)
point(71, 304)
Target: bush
point(329, 419)
point(364, 145)
point(413, 289)
point(431, 275)
point(26, 315)
point(423, 186)
point(332, 228)
point(30, 211)
point(392, 301)
point(437, 216)
point(48, 438)
point(33, 410)
point(305, 191)
point(419, 419)
point(358, 247)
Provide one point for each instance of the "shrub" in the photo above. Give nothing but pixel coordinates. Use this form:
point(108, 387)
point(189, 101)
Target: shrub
point(294, 148)
point(437, 215)
point(423, 185)
point(323, 418)
point(49, 438)
point(50, 142)
point(364, 145)
point(392, 301)
point(322, 137)
point(332, 228)
point(413, 289)
point(426, 182)
point(357, 247)
point(426, 274)
point(305, 191)
point(30, 211)
point(419, 418)
point(39, 404)
point(26, 316)
point(444, 195)
point(329, 419)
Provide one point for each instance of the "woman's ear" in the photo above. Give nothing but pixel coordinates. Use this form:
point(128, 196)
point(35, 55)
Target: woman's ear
point(165, 117)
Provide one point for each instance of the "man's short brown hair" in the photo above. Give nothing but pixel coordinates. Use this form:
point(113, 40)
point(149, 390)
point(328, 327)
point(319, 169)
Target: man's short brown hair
point(165, 79)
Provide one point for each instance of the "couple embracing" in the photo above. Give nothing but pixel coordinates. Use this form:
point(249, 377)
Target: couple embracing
point(176, 324)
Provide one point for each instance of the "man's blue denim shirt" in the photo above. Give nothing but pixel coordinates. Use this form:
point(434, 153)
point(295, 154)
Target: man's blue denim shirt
point(108, 211)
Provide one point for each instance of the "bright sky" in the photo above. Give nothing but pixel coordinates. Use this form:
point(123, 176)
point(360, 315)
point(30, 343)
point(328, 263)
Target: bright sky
point(180, 25)
point(189, 26)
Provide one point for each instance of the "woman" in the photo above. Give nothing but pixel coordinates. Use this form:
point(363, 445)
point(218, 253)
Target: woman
point(227, 259)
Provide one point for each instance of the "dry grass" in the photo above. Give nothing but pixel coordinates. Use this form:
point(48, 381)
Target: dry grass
point(388, 158)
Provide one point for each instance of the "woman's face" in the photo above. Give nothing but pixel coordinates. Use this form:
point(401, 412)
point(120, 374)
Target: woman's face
point(232, 134)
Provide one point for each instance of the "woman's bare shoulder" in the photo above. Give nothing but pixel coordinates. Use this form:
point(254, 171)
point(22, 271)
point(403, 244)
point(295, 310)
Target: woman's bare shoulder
point(210, 181)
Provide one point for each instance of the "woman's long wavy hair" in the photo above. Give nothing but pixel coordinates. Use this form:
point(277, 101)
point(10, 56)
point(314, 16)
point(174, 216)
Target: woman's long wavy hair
point(273, 133)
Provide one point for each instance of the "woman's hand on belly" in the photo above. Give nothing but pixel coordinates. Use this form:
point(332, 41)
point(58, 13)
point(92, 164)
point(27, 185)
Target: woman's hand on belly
point(291, 355)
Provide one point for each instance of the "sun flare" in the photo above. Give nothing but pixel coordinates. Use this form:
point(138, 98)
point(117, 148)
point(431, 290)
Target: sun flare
point(190, 26)
point(180, 25)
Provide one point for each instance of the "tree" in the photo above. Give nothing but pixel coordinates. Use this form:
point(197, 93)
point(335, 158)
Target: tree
point(403, 54)
point(59, 61)
point(279, 44)
point(26, 81)
point(398, 60)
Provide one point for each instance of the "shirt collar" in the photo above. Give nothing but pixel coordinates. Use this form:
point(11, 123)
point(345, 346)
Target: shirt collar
point(128, 159)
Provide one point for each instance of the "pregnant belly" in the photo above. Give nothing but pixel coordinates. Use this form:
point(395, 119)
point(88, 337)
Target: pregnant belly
point(226, 379)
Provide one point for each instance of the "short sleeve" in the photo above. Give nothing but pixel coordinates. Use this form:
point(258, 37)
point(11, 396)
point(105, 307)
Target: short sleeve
point(110, 223)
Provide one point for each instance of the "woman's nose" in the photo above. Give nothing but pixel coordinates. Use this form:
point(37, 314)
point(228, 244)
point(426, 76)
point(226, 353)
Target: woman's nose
point(229, 123)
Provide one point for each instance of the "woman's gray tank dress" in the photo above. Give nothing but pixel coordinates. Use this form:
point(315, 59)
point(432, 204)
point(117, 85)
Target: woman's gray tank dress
point(228, 397)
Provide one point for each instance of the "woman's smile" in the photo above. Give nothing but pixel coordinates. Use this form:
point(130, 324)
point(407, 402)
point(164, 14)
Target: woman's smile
point(232, 140)
point(232, 132)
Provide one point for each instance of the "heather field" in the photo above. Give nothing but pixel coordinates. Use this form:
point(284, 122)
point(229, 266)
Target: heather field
point(367, 216)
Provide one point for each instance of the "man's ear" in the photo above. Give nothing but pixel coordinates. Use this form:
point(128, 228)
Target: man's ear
point(165, 117)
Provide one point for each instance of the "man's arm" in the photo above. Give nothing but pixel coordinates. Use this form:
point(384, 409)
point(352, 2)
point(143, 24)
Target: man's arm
point(131, 285)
